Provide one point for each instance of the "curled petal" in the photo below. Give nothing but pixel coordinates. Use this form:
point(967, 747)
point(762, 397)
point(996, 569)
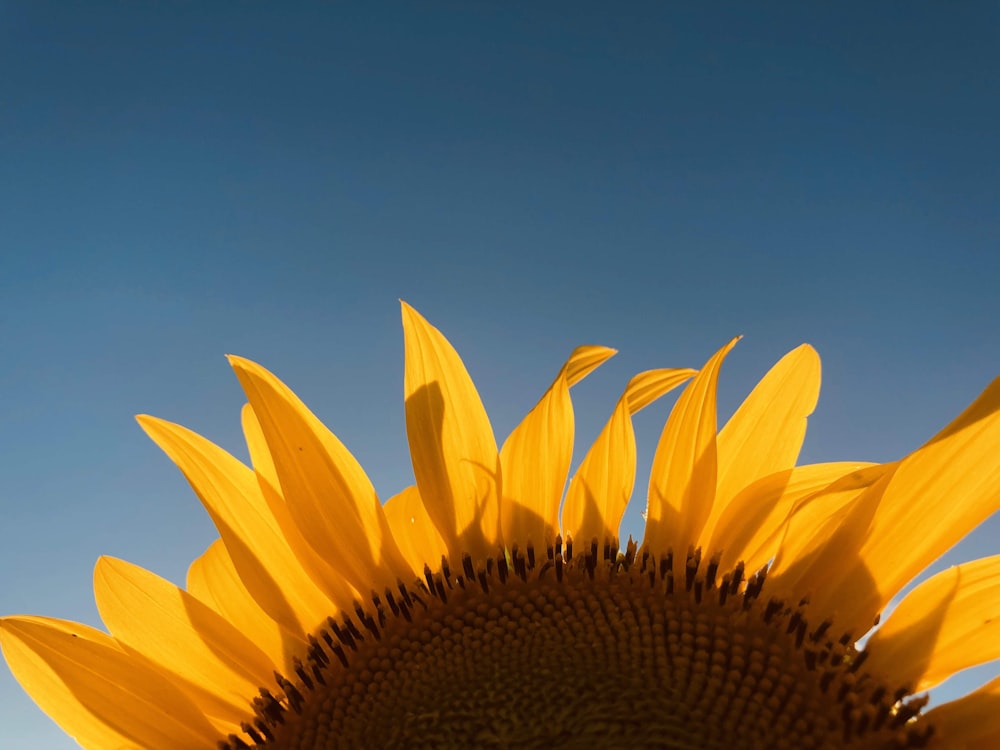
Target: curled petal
point(602, 485)
point(535, 458)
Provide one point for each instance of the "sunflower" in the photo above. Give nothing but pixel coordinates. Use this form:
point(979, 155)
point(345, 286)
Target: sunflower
point(486, 608)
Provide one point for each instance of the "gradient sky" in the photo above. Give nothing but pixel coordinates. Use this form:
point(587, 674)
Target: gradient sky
point(178, 182)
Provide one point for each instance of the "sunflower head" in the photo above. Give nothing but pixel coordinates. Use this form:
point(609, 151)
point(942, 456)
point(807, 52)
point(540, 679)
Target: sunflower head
point(494, 603)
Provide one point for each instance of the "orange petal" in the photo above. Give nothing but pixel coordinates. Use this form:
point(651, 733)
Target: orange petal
point(535, 458)
point(218, 666)
point(327, 493)
point(765, 434)
point(948, 623)
point(452, 446)
point(936, 496)
point(969, 723)
point(314, 563)
point(98, 694)
point(231, 495)
point(749, 529)
point(822, 536)
point(584, 360)
point(603, 483)
point(260, 456)
point(213, 580)
point(413, 531)
point(683, 477)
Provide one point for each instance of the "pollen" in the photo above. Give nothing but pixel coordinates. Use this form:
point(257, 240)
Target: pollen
point(606, 649)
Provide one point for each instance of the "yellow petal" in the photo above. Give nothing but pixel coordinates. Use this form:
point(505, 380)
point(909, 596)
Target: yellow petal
point(584, 360)
point(821, 537)
point(936, 496)
point(683, 477)
point(644, 388)
point(969, 723)
point(948, 623)
point(535, 458)
point(765, 434)
point(602, 485)
point(314, 563)
point(327, 493)
point(232, 497)
point(749, 527)
point(260, 456)
point(219, 667)
point(413, 531)
point(452, 446)
point(98, 694)
point(213, 580)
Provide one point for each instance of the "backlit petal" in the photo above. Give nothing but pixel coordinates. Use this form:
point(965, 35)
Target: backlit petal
point(452, 446)
point(260, 455)
point(535, 458)
point(749, 528)
point(418, 539)
point(683, 478)
point(971, 722)
point(584, 360)
point(948, 623)
point(327, 492)
point(96, 692)
point(765, 434)
point(936, 496)
point(319, 569)
point(213, 580)
point(821, 537)
point(232, 497)
point(218, 665)
point(603, 483)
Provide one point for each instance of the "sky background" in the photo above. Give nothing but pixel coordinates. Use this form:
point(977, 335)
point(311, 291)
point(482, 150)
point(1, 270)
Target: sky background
point(178, 182)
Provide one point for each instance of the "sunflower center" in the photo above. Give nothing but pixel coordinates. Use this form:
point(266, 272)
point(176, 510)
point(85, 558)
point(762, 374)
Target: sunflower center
point(600, 651)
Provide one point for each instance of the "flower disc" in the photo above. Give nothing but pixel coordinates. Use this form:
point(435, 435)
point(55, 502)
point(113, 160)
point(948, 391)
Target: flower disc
point(587, 654)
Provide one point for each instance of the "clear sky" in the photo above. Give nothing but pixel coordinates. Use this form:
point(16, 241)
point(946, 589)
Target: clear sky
point(183, 180)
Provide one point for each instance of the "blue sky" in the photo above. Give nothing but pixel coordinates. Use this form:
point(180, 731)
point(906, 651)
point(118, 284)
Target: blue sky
point(179, 182)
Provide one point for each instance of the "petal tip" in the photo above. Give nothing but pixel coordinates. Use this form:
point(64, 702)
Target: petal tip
point(239, 363)
point(410, 315)
point(148, 422)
